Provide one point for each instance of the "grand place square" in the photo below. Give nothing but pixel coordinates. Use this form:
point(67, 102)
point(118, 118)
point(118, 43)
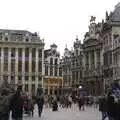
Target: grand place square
point(78, 84)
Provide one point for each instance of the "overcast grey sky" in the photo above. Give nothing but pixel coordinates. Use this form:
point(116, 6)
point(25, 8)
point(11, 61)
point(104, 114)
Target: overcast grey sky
point(57, 21)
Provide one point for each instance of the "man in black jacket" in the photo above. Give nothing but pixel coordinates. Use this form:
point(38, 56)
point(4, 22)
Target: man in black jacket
point(103, 107)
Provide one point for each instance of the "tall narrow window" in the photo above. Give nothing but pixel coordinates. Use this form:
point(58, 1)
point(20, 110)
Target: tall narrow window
point(46, 70)
point(13, 52)
point(12, 65)
point(33, 52)
point(6, 65)
point(40, 66)
point(33, 66)
point(51, 71)
point(40, 53)
point(19, 53)
point(27, 52)
point(19, 66)
point(6, 53)
point(26, 66)
point(26, 87)
point(51, 61)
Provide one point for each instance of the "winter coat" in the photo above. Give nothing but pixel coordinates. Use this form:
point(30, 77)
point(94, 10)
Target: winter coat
point(54, 105)
point(17, 104)
point(111, 106)
point(5, 104)
point(103, 105)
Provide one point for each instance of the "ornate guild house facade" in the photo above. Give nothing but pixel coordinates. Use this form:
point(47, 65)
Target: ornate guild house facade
point(53, 80)
point(21, 59)
point(92, 50)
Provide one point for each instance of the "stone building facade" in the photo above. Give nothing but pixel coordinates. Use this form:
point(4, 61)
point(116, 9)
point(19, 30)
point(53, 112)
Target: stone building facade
point(110, 37)
point(93, 59)
point(67, 74)
point(21, 59)
point(72, 67)
point(77, 66)
point(100, 56)
point(53, 80)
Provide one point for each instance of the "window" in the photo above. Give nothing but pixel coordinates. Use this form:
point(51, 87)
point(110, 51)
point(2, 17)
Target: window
point(56, 71)
point(26, 52)
point(33, 78)
point(6, 53)
point(51, 71)
point(76, 52)
point(26, 78)
point(12, 65)
point(33, 52)
point(26, 87)
point(60, 71)
point(33, 88)
point(26, 66)
point(19, 66)
point(6, 65)
point(27, 39)
point(33, 66)
point(40, 66)
point(51, 61)
point(46, 70)
point(40, 79)
point(13, 52)
point(40, 53)
point(19, 78)
point(56, 61)
point(20, 52)
point(6, 38)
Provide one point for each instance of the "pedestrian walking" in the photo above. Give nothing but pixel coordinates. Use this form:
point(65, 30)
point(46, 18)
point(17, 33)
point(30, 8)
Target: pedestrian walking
point(17, 103)
point(5, 99)
point(40, 103)
point(103, 107)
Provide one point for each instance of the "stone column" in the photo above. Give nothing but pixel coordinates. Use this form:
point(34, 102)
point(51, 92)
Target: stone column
point(95, 58)
point(36, 70)
point(43, 68)
point(89, 54)
point(23, 67)
point(16, 66)
point(9, 65)
point(2, 64)
point(30, 70)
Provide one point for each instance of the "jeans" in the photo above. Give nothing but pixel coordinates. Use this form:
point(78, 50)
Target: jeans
point(40, 111)
point(104, 115)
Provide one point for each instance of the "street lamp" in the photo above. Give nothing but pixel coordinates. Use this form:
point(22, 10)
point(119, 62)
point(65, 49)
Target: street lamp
point(80, 87)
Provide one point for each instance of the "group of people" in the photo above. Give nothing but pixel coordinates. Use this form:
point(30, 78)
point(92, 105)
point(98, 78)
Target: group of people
point(109, 105)
point(18, 103)
point(15, 103)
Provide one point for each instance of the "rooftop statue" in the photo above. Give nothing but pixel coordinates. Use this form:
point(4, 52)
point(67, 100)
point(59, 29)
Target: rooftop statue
point(93, 18)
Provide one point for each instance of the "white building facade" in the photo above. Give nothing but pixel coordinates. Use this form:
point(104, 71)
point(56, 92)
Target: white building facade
point(21, 59)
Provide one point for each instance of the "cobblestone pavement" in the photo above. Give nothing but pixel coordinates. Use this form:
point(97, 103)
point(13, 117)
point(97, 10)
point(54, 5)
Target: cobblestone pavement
point(66, 114)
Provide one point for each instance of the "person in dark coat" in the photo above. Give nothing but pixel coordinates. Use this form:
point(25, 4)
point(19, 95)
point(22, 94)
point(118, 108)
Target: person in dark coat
point(79, 103)
point(5, 99)
point(111, 107)
point(40, 103)
point(54, 105)
point(103, 107)
point(17, 103)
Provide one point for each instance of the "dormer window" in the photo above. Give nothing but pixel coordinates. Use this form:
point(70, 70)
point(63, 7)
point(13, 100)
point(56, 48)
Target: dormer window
point(6, 38)
point(26, 39)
